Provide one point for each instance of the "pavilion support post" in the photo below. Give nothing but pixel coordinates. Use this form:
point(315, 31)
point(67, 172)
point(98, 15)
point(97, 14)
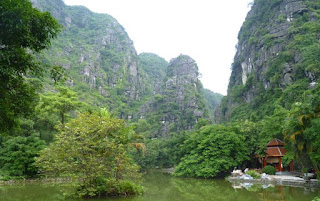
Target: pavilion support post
point(291, 166)
point(280, 167)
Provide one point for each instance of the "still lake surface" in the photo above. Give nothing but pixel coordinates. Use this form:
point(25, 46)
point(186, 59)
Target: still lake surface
point(163, 187)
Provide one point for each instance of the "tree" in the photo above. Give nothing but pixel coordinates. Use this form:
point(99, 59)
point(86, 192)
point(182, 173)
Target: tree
point(302, 129)
point(17, 155)
point(60, 103)
point(93, 149)
point(212, 151)
point(24, 31)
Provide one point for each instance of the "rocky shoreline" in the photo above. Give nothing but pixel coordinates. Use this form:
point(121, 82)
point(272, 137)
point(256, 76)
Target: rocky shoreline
point(282, 180)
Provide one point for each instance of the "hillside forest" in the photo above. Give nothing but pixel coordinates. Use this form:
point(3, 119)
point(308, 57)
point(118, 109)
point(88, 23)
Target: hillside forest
point(77, 102)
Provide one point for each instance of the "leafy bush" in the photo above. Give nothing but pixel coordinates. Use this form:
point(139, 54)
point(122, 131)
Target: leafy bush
point(254, 174)
point(269, 170)
point(110, 187)
point(316, 198)
point(212, 151)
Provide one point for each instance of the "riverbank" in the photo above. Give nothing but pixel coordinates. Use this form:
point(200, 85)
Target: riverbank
point(37, 181)
point(285, 180)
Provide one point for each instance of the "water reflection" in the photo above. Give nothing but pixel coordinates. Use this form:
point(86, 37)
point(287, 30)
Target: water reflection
point(163, 187)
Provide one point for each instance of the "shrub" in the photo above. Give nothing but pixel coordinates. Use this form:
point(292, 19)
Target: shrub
point(253, 174)
point(269, 170)
point(316, 198)
point(110, 187)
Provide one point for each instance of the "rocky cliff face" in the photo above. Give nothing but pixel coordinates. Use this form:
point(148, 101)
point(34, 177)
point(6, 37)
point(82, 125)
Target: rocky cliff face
point(180, 103)
point(276, 59)
point(97, 52)
point(154, 71)
point(106, 71)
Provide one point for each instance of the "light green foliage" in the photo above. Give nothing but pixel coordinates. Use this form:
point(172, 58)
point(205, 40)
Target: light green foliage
point(94, 149)
point(24, 31)
point(254, 174)
point(255, 188)
point(316, 198)
point(60, 103)
point(212, 151)
point(17, 156)
point(269, 170)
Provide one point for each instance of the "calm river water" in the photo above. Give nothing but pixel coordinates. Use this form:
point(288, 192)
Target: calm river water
point(163, 187)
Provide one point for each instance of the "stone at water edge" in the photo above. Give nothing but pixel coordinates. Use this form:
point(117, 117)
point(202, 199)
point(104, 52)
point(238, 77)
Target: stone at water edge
point(236, 173)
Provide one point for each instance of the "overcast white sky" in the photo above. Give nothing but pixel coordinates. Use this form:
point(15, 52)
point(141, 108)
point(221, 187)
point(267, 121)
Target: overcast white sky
point(206, 30)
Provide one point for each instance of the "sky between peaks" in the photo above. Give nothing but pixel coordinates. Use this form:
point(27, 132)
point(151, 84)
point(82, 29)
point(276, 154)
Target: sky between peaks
point(206, 30)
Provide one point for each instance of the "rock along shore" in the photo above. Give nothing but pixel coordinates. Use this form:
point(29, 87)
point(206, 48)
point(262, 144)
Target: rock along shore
point(284, 180)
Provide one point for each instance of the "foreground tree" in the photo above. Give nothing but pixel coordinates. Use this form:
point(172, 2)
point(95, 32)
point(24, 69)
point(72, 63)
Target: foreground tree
point(24, 31)
point(93, 149)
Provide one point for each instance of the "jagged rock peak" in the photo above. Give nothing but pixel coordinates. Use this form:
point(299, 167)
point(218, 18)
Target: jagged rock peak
point(183, 103)
point(183, 65)
point(97, 52)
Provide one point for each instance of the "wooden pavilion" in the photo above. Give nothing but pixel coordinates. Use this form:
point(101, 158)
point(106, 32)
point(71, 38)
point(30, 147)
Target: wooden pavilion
point(274, 153)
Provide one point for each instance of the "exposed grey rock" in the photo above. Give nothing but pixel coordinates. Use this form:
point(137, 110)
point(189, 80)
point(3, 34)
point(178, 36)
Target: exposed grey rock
point(108, 56)
point(236, 173)
point(253, 57)
point(182, 102)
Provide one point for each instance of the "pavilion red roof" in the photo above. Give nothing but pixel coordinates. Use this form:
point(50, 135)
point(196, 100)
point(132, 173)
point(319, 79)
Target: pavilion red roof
point(276, 151)
point(275, 143)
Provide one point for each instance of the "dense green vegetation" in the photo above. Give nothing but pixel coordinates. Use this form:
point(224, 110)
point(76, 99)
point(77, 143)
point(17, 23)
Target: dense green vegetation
point(56, 129)
point(24, 31)
point(43, 132)
point(211, 151)
point(298, 55)
point(93, 149)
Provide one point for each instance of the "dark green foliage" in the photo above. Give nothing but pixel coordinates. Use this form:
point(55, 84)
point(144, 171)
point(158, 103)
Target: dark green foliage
point(302, 130)
point(212, 151)
point(24, 31)
point(17, 156)
point(269, 170)
point(163, 153)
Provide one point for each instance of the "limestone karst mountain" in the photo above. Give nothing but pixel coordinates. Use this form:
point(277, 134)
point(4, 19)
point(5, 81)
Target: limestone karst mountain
point(106, 71)
point(277, 59)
